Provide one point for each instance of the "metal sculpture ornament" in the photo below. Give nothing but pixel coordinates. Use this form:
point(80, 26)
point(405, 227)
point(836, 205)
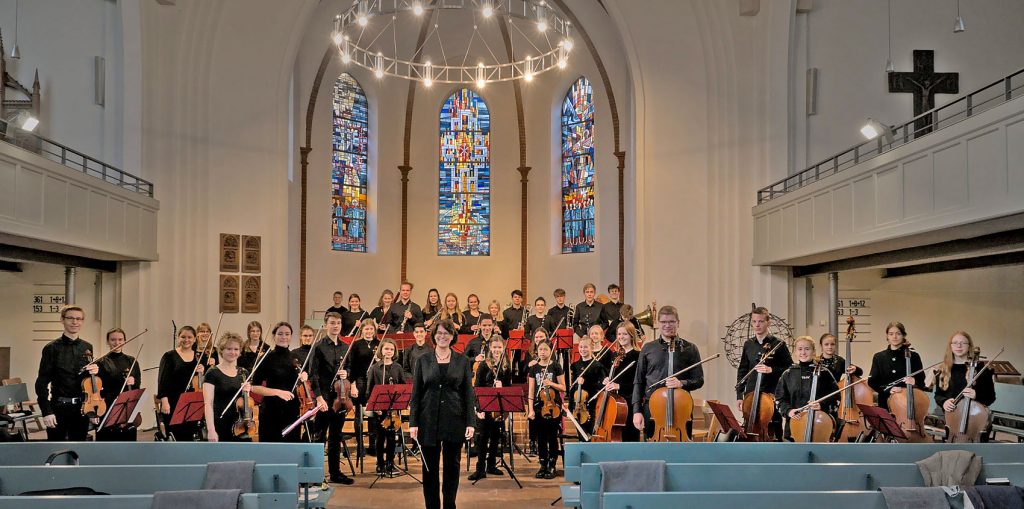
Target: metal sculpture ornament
point(739, 331)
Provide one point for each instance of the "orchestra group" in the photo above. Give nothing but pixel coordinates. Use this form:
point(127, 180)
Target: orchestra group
point(590, 367)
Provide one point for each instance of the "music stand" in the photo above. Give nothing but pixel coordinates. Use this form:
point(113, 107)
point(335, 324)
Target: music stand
point(189, 409)
point(728, 422)
point(347, 339)
point(882, 422)
point(506, 400)
point(123, 408)
point(562, 338)
point(391, 398)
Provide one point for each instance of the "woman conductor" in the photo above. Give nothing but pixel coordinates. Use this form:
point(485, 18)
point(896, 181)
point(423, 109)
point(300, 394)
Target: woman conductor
point(441, 414)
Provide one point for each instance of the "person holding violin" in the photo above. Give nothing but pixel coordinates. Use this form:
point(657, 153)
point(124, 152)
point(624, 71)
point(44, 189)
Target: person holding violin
point(207, 352)
point(471, 317)
point(951, 377)
point(495, 371)
point(442, 414)
point(326, 369)
point(770, 370)
point(254, 346)
point(385, 372)
point(59, 383)
point(113, 371)
point(624, 370)
point(413, 352)
point(352, 317)
point(175, 377)
point(794, 388)
point(273, 381)
point(433, 306)
point(221, 384)
point(306, 336)
point(546, 382)
point(590, 373)
point(523, 366)
point(360, 357)
point(652, 367)
point(889, 365)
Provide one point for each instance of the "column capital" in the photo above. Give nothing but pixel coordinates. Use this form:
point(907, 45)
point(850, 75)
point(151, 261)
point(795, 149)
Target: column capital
point(524, 171)
point(405, 169)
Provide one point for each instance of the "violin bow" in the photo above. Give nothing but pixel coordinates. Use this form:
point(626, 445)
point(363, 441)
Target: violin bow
point(248, 379)
point(135, 361)
point(977, 375)
point(829, 395)
point(617, 375)
point(209, 343)
point(684, 370)
point(900, 381)
point(94, 361)
point(764, 357)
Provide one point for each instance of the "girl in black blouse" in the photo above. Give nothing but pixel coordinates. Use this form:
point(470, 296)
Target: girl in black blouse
point(590, 375)
point(176, 368)
point(385, 372)
point(274, 381)
point(495, 371)
point(794, 388)
point(890, 365)
point(207, 351)
point(113, 371)
point(352, 319)
point(382, 313)
point(254, 346)
point(222, 382)
point(471, 316)
point(546, 373)
point(451, 310)
point(442, 413)
point(361, 356)
point(432, 308)
point(625, 371)
point(951, 377)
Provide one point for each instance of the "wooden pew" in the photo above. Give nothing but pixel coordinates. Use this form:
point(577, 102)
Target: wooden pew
point(137, 479)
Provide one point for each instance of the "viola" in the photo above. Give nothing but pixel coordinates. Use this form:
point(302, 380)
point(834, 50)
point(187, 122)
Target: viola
point(93, 405)
point(910, 407)
point(851, 420)
point(812, 425)
point(970, 420)
point(612, 410)
point(759, 407)
point(670, 408)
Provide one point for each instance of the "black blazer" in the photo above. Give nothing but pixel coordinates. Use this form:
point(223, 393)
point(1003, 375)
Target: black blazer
point(442, 408)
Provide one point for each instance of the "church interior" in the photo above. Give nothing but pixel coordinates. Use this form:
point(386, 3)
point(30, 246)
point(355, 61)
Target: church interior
point(833, 166)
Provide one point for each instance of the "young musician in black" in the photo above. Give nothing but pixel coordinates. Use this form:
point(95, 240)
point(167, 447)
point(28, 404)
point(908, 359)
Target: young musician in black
point(471, 316)
point(590, 374)
point(337, 307)
point(951, 377)
point(890, 365)
point(557, 316)
point(514, 317)
point(382, 313)
point(588, 312)
point(794, 388)
point(610, 310)
point(206, 345)
point(493, 372)
point(306, 336)
point(364, 348)
point(59, 384)
point(537, 318)
point(627, 356)
point(114, 372)
point(625, 315)
point(385, 372)
point(652, 367)
point(433, 306)
point(475, 347)
point(442, 413)
point(404, 310)
point(351, 318)
point(176, 368)
point(770, 370)
point(494, 309)
point(452, 311)
point(254, 346)
point(221, 383)
point(546, 381)
point(274, 380)
point(325, 370)
point(413, 352)
point(835, 364)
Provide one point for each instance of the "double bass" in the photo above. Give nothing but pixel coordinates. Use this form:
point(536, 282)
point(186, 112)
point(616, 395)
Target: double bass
point(970, 420)
point(812, 425)
point(611, 410)
point(759, 407)
point(670, 408)
point(851, 420)
point(910, 407)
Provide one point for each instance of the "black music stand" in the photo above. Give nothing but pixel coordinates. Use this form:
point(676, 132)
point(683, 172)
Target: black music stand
point(123, 408)
point(505, 400)
point(392, 398)
point(730, 426)
point(882, 423)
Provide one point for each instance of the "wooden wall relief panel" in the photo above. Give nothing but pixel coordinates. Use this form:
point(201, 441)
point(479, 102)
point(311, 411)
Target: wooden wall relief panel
point(229, 290)
point(230, 252)
point(251, 294)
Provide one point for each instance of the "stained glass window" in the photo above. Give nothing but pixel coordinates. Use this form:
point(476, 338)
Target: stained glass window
point(578, 168)
point(348, 174)
point(464, 197)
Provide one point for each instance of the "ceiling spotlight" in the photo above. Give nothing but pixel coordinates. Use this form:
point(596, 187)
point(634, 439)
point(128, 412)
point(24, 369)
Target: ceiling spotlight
point(958, 26)
point(22, 120)
point(562, 63)
point(873, 129)
point(346, 54)
point(528, 75)
point(379, 68)
point(337, 38)
point(542, 19)
point(480, 82)
point(362, 13)
point(428, 74)
point(567, 44)
point(488, 8)
point(889, 67)
point(417, 8)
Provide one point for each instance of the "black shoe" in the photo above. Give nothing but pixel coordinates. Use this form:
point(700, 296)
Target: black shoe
point(381, 468)
point(476, 476)
point(495, 471)
point(549, 473)
point(340, 478)
point(542, 472)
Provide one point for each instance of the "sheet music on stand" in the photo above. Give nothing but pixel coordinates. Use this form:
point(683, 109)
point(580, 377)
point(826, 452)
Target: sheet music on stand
point(882, 422)
point(189, 408)
point(124, 408)
point(728, 422)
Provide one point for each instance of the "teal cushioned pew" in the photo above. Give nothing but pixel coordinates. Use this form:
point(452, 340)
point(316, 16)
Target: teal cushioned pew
point(247, 501)
point(136, 479)
point(750, 499)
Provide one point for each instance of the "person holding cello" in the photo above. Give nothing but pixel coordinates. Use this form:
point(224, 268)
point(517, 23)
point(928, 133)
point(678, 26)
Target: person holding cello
point(274, 381)
point(220, 384)
point(770, 370)
point(385, 372)
point(325, 370)
point(795, 384)
point(495, 371)
point(546, 382)
point(952, 378)
point(113, 370)
point(889, 365)
point(835, 364)
point(653, 366)
point(626, 360)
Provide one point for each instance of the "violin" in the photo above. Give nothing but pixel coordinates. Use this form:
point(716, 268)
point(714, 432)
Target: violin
point(851, 420)
point(579, 398)
point(910, 407)
point(812, 425)
point(612, 410)
point(303, 392)
point(970, 420)
point(547, 395)
point(93, 405)
point(670, 408)
point(247, 423)
point(759, 407)
point(342, 387)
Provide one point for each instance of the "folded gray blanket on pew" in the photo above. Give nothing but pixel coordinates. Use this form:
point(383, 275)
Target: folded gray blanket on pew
point(196, 499)
point(229, 475)
point(950, 468)
point(632, 476)
point(915, 498)
point(992, 497)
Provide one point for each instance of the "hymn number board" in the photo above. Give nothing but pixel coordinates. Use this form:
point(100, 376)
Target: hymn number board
point(859, 307)
point(47, 301)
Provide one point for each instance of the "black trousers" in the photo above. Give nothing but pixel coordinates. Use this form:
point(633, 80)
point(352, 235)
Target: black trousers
point(71, 424)
point(488, 440)
point(450, 485)
point(275, 416)
point(547, 438)
point(128, 434)
point(332, 424)
point(630, 433)
point(384, 442)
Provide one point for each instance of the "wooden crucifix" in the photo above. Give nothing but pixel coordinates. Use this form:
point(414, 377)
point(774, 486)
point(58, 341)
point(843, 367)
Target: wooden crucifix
point(924, 83)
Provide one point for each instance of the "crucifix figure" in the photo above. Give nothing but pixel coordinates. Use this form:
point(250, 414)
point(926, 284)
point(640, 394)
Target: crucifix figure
point(924, 83)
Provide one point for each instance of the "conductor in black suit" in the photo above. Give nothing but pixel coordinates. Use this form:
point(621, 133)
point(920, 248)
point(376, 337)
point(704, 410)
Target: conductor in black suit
point(442, 413)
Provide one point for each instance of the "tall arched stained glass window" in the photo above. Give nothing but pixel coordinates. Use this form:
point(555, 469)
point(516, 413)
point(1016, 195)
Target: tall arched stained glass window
point(348, 175)
point(578, 168)
point(464, 197)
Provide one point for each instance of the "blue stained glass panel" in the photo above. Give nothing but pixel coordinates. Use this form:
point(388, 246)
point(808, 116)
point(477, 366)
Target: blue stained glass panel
point(350, 146)
point(464, 187)
point(578, 168)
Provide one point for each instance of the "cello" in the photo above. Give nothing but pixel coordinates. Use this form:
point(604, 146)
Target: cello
point(611, 409)
point(972, 419)
point(812, 425)
point(910, 407)
point(670, 411)
point(851, 420)
point(759, 407)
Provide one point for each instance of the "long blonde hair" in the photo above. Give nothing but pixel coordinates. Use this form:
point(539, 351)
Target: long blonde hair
point(943, 373)
point(456, 315)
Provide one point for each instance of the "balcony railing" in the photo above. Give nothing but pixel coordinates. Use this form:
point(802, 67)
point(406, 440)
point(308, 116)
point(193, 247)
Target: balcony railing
point(985, 98)
point(74, 159)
